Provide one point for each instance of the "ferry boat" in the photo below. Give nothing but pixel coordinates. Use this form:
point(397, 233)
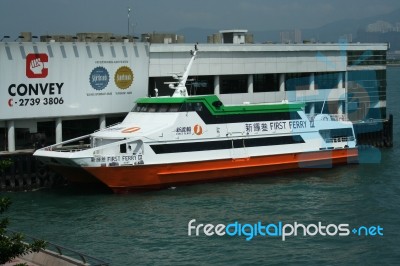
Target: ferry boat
point(182, 139)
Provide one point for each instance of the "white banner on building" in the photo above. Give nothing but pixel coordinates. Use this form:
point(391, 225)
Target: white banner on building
point(53, 79)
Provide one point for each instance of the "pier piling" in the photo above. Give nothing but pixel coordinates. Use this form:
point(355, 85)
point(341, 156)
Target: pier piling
point(25, 172)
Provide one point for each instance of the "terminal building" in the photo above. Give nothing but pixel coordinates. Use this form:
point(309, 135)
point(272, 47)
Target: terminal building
point(55, 90)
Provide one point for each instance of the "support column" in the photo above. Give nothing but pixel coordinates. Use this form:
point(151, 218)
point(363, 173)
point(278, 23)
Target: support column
point(312, 109)
point(250, 81)
point(58, 130)
point(340, 80)
point(11, 135)
point(282, 82)
point(312, 82)
point(340, 108)
point(312, 88)
point(345, 87)
point(216, 85)
point(102, 121)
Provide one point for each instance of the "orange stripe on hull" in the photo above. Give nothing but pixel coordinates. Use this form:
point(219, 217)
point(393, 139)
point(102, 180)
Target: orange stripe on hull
point(122, 179)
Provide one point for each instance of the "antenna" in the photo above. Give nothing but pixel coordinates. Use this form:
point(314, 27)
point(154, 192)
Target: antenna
point(129, 11)
point(180, 85)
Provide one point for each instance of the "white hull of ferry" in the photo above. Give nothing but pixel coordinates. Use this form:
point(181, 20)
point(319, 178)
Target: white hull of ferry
point(147, 151)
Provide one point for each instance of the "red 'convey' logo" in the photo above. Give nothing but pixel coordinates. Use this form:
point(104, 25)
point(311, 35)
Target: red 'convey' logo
point(35, 65)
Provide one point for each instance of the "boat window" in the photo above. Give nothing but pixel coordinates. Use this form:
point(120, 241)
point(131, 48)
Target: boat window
point(155, 107)
point(186, 107)
point(152, 108)
point(143, 108)
point(209, 118)
point(136, 108)
point(226, 144)
point(337, 135)
point(174, 108)
point(163, 108)
point(122, 148)
point(198, 107)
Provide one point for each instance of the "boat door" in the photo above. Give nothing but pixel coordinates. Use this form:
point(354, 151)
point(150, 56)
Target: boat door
point(239, 150)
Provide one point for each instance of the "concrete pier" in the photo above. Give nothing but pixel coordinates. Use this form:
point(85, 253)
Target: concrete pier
point(375, 133)
point(25, 172)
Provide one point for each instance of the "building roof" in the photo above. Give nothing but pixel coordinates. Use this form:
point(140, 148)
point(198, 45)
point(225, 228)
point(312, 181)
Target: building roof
point(233, 31)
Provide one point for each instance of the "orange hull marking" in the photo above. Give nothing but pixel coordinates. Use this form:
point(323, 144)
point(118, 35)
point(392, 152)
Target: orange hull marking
point(130, 130)
point(198, 130)
point(142, 176)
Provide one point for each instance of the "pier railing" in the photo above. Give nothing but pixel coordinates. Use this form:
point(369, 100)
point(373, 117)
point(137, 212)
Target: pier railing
point(65, 254)
point(340, 139)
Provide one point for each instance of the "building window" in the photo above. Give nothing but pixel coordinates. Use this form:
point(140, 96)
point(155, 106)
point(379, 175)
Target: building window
point(233, 84)
point(309, 108)
point(24, 139)
point(381, 83)
point(199, 85)
point(328, 107)
point(76, 128)
point(366, 58)
point(47, 131)
point(297, 81)
point(326, 80)
point(159, 83)
point(112, 120)
point(365, 89)
point(3, 139)
point(265, 82)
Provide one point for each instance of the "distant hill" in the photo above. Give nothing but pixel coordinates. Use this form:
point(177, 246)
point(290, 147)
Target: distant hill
point(333, 31)
point(328, 33)
point(372, 37)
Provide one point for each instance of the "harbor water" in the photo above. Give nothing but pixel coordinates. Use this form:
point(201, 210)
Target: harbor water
point(152, 228)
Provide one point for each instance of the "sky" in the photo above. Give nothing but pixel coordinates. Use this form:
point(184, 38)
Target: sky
point(47, 17)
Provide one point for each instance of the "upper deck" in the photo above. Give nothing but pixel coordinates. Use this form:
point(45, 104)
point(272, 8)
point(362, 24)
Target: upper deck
point(213, 104)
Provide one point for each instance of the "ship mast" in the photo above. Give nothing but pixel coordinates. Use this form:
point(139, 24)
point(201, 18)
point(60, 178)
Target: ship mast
point(180, 85)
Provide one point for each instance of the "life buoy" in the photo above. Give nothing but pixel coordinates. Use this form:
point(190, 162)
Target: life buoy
point(130, 129)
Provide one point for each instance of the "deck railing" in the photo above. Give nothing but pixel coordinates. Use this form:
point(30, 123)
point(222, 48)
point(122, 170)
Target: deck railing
point(334, 117)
